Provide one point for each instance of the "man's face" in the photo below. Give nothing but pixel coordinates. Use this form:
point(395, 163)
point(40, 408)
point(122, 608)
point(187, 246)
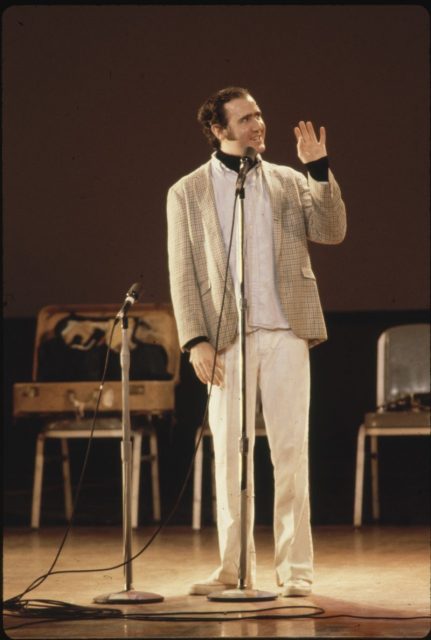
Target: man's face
point(245, 127)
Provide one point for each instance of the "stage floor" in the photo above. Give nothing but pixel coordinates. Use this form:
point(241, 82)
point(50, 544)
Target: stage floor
point(374, 571)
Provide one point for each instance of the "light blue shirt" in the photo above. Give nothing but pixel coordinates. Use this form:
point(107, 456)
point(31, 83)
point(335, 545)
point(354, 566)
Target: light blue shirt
point(263, 304)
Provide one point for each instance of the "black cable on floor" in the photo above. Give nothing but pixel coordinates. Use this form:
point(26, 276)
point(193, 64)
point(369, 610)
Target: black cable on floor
point(57, 611)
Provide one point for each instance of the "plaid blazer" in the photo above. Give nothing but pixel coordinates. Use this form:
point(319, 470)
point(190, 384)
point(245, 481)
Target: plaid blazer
point(302, 210)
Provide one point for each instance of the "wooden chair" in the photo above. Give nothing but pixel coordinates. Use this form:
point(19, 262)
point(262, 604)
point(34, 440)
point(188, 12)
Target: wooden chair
point(403, 376)
point(67, 406)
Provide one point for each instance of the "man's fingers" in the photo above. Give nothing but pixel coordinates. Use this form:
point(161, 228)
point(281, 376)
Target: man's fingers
point(322, 135)
point(303, 130)
point(200, 376)
point(306, 131)
point(218, 373)
point(204, 371)
point(310, 131)
point(200, 372)
point(220, 364)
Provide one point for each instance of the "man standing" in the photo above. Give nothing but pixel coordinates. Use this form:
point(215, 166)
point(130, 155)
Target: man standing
point(283, 210)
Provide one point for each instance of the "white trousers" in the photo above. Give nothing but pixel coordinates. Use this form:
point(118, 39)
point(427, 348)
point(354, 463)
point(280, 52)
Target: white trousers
point(278, 363)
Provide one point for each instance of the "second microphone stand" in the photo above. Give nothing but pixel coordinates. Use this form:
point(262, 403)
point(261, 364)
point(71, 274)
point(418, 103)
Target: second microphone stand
point(128, 595)
point(241, 593)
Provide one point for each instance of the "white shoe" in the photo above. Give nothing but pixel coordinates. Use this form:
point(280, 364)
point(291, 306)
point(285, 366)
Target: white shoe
point(208, 586)
point(296, 588)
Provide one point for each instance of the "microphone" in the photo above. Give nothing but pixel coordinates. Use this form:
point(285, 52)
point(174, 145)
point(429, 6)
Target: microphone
point(245, 165)
point(131, 297)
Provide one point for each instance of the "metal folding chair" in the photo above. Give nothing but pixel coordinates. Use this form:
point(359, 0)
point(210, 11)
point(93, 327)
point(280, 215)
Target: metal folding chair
point(403, 387)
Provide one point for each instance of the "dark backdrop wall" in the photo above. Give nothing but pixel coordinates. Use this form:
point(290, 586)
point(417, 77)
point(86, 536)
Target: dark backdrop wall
point(99, 119)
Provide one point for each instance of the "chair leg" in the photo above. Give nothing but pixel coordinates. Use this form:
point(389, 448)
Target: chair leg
point(359, 479)
point(197, 484)
point(67, 485)
point(155, 482)
point(375, 478)
point(136, 476)
point(37, 481)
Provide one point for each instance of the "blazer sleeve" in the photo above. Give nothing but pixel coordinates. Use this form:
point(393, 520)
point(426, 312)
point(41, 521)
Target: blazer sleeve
point(185, 292)
point(324, 209)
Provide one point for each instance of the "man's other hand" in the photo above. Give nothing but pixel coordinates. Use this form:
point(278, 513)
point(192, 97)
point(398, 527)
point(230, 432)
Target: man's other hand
point(202, 358)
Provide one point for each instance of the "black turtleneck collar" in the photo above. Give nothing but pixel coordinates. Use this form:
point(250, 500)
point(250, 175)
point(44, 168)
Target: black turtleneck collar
point(232, 162)
point(318, 169)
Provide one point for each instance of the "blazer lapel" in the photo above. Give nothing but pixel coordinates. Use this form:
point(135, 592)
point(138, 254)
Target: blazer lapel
point(206, 201)
point(275, 199)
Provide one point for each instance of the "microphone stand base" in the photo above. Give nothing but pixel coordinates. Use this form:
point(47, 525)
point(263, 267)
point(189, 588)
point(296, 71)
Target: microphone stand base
point(128, 597)
point(241, 595)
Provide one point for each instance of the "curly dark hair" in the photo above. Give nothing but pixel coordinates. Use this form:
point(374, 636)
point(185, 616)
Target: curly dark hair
point(212, 111)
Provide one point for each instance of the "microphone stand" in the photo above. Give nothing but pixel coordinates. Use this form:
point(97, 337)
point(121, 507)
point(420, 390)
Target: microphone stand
point(241, 593)
point(128, 595)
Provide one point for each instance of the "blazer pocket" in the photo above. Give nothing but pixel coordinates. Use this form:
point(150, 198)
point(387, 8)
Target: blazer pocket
point(307, 272)
point(204, 287)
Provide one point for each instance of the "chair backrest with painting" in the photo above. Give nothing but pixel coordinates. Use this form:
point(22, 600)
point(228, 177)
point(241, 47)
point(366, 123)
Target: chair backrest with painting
point(72, 343)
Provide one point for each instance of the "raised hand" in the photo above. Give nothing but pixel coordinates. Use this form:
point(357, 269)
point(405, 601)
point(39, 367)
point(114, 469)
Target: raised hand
point(308, 146)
